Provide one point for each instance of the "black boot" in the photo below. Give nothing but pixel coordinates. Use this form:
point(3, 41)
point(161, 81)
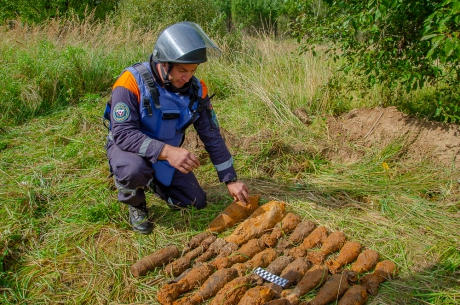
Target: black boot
point(139, 218)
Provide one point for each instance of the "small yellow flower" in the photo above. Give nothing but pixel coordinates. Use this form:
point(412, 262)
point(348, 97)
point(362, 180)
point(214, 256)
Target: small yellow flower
point(385, 166)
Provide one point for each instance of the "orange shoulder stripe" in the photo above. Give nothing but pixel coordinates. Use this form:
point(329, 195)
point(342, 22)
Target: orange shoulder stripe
point(127, 80)
point(204, 89)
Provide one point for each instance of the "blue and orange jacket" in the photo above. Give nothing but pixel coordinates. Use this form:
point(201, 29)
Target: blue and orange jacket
point(133, 129)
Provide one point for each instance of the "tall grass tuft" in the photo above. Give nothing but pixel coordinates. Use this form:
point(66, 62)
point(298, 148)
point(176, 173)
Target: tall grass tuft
point(57, 63)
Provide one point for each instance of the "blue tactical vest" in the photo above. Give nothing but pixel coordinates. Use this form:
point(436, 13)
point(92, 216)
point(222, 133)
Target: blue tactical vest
point(165, 121)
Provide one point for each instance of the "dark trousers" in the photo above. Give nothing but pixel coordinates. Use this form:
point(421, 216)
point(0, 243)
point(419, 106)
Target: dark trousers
point(134, 175)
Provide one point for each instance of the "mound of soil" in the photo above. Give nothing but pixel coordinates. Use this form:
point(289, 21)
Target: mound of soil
point(361, 129)
point(352, 134)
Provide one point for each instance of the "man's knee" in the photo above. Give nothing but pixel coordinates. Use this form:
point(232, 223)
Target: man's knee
point(129, 171)
point(196, 199)
point(185, 191)
point(134, 173)
point(200, 201)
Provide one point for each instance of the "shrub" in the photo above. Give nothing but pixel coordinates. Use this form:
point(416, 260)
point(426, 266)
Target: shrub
point(392, 43)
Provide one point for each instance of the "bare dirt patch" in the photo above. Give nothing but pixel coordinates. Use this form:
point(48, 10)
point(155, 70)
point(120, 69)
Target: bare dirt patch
point(351, 135)
point(360, 129)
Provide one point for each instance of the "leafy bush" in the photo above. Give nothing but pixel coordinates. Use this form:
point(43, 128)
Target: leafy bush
point(225, 9)
point(256, 14)
point(392, 43)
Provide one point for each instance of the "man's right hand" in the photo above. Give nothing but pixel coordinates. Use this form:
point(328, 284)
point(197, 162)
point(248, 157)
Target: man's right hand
point(179, 158)
point(239, 191)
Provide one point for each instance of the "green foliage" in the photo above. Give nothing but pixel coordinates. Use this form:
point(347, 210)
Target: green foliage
point(392, 43)
point(157, 13)
point(258, 14)
point(224, 7)
point(442, 29)
point(41, 10)
point(448, 104)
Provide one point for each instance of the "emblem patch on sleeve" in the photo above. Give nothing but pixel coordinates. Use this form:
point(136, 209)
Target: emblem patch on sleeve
point(214, 117)
point(120, 112)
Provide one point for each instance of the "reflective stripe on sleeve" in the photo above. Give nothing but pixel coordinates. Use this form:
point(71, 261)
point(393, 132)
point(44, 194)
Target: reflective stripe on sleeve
point(225, 165)
point(144, 147)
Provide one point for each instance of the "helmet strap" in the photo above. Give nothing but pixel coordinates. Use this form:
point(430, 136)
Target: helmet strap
point(165, 75)
point(167, 82)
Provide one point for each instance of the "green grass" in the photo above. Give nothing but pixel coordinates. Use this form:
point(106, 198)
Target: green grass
point(65, 239)
point(57, 63)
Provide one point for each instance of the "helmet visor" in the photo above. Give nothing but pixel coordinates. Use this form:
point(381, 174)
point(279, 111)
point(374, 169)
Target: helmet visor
point(177, 41)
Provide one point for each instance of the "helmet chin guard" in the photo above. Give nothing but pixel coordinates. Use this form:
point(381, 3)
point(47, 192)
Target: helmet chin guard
point(184, 42)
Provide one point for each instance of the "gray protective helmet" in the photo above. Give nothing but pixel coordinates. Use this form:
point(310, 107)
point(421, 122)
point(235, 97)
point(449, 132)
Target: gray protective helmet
point(185, 43)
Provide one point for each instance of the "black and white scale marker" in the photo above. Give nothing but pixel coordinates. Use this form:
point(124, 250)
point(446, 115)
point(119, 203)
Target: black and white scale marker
point(271, 277)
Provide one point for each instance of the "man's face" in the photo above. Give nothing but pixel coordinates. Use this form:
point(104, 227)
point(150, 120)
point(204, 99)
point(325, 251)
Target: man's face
point(181, 74)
